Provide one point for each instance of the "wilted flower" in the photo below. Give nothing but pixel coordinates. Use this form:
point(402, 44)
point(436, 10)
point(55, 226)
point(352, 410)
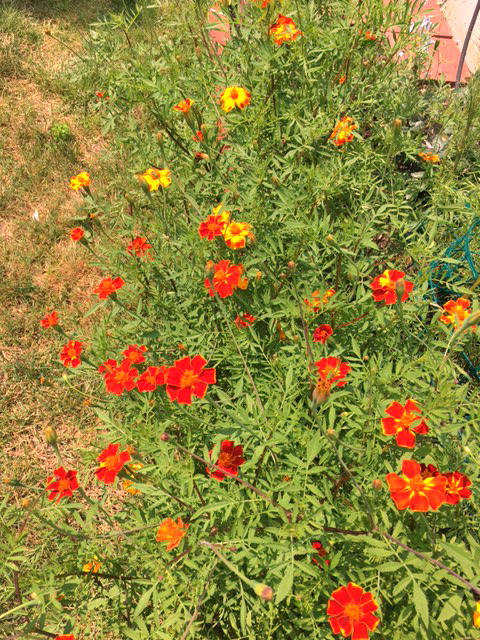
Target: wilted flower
point(322, 552)
point(233, 97)
point(431, 158)
point(245, 320)
point(315, 302)
point(284, 30)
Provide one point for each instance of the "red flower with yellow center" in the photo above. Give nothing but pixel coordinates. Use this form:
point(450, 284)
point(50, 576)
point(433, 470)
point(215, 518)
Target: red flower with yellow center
point(213, 226)
point(236, 234)
point(400, 423)
point(188, 377)
point(152, 378)
point(77, 234)
point(108, 366)
point(414, 491)
point(331, 371)
point(108, 286)
point(121, 378)
point(456, 488)
point(389, 285)
point(111, 463)
point(322, 333)
point(343, 131)
point(233, 97)
point(67, 637)
point(49, 320)
point(184, 105)
point(229, 459)
point(456, 312)
point(140, 247)
point(315, 302)
point(134, 353)
point(350, 612)
point(171, 532)
point(321, 551)
point(70, 354)
point(156, 178)
point(80, 181)
point(226, 278)
point(62, 484)
point(284, 30)
point(244, 321)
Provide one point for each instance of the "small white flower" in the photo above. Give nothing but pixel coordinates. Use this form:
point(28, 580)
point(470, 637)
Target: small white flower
point(36, 215)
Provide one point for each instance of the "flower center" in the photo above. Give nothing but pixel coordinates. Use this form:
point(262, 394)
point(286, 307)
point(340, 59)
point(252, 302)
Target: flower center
point(417, 484)
point(111, 462)
point(353, 611)
point(234, 94)
point(225, 459)
point(72, 353)
point(63, 484)
point(220, 277)
point(188, 379)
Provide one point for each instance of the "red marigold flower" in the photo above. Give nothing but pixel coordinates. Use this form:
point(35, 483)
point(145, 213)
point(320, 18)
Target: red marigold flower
point(343, 131)
point(198, 137)
point(342, 79)
point(188, 377)
point(134, 353)
point(77, 234)
point(391, 283)
point(284, 30)
point(322, 552)
point(229, 459)
point(350, 612)
point(70, 354)
point(236, 234)
point(49, 320)
point(184, 105)
point(213, 226)
point(245, 320)
point(457, 311)
point(108, 286)
point(226, 278)
point(121, 378)
point(331, 372)
point(62, 484)
point(315, 302)
point(322, 333)
point(152, 378)
point(111, 463)
point(172, 532)
point(429, 470)
point(400, 423)
point(108, 366)
point(139, 246)
point(456, 488)
point(414, 491)
point(67, 637)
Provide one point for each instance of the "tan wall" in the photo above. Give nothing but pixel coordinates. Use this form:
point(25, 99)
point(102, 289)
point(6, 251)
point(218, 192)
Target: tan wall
point(458, 14)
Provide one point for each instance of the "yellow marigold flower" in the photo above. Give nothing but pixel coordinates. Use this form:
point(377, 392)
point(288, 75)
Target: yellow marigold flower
point(284, 30)
point(93, 566)
point(220, 211)
point(80, 181)
point(431, 158)
point(476, 615)
point(184, 105)
point(343, 131)
point(156, 178)
point(127, 484)
point(234, 97)
point(236, 234)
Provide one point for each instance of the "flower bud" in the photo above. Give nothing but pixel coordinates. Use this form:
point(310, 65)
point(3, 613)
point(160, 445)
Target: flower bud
point(397, 124)
point(210, 269)
point(331, 433)
point(50, 436)
point(263, 591)
point(26, 503)
point(320, 396)
point(467, 450)
point(291, 265)
point(296, 339)
point(377, 484)
point(159, 136)
point(400, 289)
point(330, 238)
point(164, 437)
point(258, 275)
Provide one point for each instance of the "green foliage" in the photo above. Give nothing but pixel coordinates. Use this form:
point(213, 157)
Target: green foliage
point(323, 217)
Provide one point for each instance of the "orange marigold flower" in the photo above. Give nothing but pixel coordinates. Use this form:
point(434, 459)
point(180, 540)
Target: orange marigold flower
point(284, 30)
point(134, 353)
point(70, 354)
point(391, 283)
point(476, 615)
point(184, 105)
point(213, 226)
point(430, 157)
point(322, 552)
point(236, 234)
point(456, 312)
point(226, 278)
point(93, 566)
point(171, 532)
point(315, 302)
point(49, 320)
point(229, 459)
point(188, 377)
point(67, 637)
point(400, 423)
point(233, 97)
point(156, 178)
point(131, 469)
point(322, 333)
point(414, 491)
point(108, 286)
point(121, 378)
point(331, 372)
point(456, 488)
point(77, 234)
point(152, 378)
point(350, 612)
point(370, 36)
point(245, 320)
point(80, 181)
point(342, 79)
point(343, 131)
point(139, 246)
point(62, 484)
point(111, 463)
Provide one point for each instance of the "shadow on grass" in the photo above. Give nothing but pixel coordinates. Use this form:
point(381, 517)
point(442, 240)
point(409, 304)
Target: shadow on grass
point(77, 13)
